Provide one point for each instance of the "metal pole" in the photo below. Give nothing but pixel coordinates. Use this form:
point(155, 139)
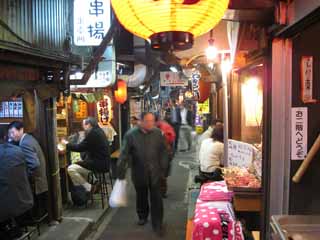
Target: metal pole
point(225, 116)
point(120, 126)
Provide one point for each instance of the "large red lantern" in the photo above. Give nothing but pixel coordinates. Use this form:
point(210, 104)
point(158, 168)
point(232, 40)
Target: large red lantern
point(121, 93)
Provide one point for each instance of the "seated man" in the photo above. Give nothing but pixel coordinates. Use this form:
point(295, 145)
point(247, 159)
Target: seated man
point(97, 157)
point(35, 159)
point(15, 192)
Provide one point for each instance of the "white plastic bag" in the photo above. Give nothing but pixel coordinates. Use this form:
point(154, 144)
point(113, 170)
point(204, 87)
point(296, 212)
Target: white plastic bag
point(119, 196)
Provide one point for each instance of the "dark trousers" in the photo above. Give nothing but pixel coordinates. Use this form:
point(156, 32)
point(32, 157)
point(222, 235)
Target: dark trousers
point(176, 127)
point(143, 192)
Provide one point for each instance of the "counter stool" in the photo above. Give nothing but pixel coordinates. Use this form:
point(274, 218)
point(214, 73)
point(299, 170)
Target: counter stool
point(101, 180)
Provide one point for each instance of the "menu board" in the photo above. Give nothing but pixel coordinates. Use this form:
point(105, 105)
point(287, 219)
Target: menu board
point(82, 111)
point(11, 109)
point(240, 154)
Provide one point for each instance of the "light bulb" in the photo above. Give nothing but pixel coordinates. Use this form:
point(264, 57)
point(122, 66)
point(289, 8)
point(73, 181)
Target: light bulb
point(211, 52)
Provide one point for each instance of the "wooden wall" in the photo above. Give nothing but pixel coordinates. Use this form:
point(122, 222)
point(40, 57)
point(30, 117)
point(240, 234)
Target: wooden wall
point(305, 196)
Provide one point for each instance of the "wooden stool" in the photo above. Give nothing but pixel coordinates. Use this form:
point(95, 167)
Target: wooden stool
point(102, 182)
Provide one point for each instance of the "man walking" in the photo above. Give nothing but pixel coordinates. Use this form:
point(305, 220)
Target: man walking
point(146, 148)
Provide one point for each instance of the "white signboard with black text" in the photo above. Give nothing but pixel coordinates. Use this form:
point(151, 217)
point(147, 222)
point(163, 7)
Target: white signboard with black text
point(240, 154)
point(91, 21)
point(299, 133)
point(172, 79)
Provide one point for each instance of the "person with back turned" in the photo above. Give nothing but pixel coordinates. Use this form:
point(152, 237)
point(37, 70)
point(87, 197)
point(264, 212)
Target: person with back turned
point(146, 148)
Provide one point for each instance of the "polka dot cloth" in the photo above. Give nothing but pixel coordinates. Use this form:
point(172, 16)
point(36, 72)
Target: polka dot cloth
point(215, 191)
point(207, 224)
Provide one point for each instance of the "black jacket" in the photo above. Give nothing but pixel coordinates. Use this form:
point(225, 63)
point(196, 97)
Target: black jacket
point(96, 147)
point(148, 155)
point(15, 192)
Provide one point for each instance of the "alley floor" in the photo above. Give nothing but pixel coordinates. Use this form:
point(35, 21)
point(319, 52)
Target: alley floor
point(123, 223)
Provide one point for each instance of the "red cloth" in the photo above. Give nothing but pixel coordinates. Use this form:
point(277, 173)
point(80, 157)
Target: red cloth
point(167, 130)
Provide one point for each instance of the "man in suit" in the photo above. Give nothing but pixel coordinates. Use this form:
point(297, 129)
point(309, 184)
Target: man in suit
point(145, 148)
point(35, 159)
point(97, 156)
point(15, 192)
point(186, 127)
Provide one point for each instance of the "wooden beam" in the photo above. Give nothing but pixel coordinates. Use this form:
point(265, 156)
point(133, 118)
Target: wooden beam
point(251, 4)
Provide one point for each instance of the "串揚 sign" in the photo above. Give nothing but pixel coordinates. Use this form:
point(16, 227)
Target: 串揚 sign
point(91, 21)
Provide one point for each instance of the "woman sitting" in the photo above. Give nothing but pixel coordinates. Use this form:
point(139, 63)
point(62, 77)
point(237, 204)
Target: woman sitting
point(211, 156)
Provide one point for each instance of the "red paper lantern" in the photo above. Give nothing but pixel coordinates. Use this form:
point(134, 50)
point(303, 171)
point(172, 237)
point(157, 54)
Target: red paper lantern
point(121, 93)
point(204, 90)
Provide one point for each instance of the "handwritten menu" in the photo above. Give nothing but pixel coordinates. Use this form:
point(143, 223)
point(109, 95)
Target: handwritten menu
point(240, 154)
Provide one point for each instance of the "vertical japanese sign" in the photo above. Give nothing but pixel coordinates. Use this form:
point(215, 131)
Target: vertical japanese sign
point(195, 78)
point(91, 21)
point(307, 79)
point(299, 133)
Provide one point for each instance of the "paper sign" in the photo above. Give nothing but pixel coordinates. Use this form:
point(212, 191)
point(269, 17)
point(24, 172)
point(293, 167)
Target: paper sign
point(172, 79)
point(307, 79)
point(240, 154)
point(299, 133)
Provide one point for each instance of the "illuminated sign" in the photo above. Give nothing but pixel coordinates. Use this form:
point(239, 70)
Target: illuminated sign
point(91, 21)
point(104, 108)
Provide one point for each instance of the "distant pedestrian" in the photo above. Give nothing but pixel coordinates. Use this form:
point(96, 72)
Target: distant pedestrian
point(170, 137)
point(175, 121)
point(145, 147)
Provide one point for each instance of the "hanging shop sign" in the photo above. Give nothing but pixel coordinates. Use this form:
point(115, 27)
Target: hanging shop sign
point(307, 79)
point(299, 133)
point(195, 78)
point(204, 108)
point(172, 79)
point(240, 154)
point(91, 21)
point(104, 109)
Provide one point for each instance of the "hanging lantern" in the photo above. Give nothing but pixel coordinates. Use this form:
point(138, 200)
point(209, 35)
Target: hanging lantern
point(121, 93)
point(169, 22)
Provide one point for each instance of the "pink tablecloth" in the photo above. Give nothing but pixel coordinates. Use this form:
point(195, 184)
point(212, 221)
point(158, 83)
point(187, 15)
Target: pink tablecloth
point(215, 191)
point(214, 217)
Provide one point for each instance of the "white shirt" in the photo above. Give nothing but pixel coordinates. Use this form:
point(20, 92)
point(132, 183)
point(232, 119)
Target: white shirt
point(210, 155)
point(184, 113)
point(22, 138)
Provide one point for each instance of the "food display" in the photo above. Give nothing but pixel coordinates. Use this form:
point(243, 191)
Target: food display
point(237, 177)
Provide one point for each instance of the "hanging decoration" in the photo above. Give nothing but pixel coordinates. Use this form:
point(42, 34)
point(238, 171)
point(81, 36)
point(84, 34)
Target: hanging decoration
point(121, 92)
point(169, 23)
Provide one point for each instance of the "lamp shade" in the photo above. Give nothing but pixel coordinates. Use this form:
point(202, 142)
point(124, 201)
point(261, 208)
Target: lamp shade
point(121, 93)
point(146, 18)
